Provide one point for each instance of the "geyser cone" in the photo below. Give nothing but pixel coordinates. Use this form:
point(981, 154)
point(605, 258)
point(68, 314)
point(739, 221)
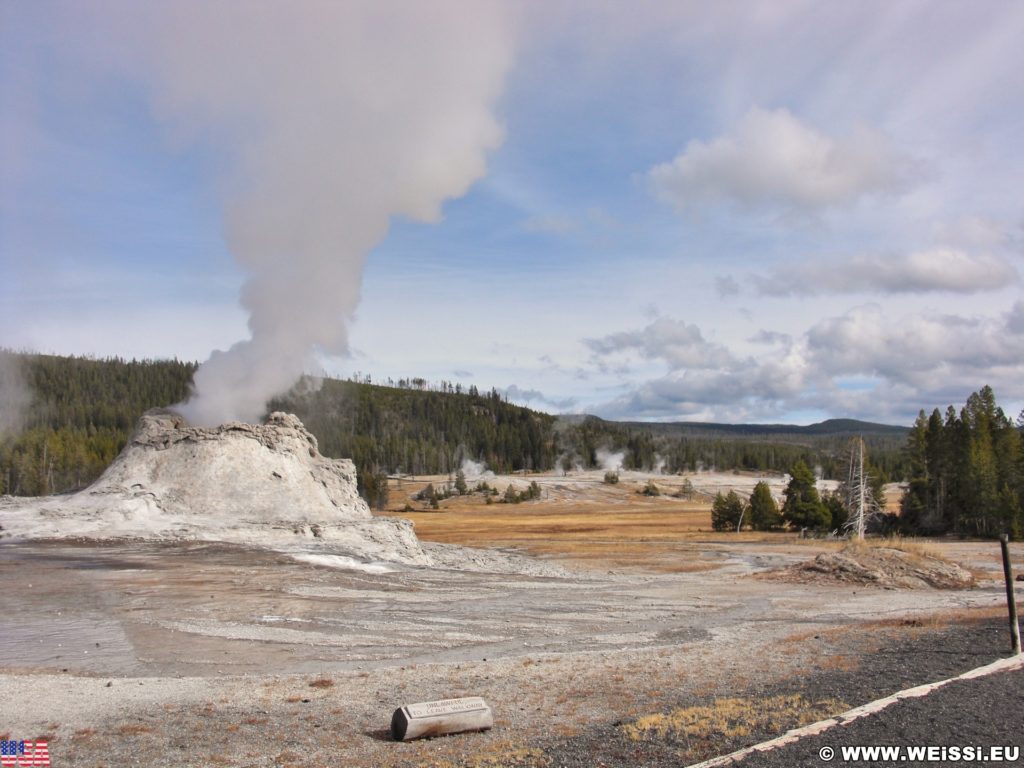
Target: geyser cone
point(258, 474)
point(263, 484)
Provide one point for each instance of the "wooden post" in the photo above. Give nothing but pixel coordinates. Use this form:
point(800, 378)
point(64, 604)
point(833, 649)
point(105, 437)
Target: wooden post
point(438, 718)
point(1011, 598)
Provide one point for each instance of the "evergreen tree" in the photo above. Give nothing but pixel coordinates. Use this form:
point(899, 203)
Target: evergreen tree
point(764, 512)
point(534, 491)
point(980, 418)
point(940, 460)
point(918, 497)
point(838, 512)
point(373, 487)
point(803, 507)
point(726, 511)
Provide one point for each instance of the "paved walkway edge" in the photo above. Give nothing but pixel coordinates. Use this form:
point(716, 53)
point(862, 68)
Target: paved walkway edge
point(1002, 665)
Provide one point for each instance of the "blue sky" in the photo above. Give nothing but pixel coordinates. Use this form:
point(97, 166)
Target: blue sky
point(779, 211)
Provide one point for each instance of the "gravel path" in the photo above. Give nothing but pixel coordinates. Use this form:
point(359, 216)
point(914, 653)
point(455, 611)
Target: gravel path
point(921, 656)
point(981, 713)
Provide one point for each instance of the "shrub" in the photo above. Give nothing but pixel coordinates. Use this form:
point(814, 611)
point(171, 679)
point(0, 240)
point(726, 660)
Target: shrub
point(651, 489)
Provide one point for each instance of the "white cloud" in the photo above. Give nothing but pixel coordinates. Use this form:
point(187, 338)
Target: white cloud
point(920, 349)
point(516, 394)
point(704, 378)
point(675, 342)
point(773, 161)
point(979, 233)
point(698, 396)
point(1015, 319)
point(897, 365)
point(770, 337)
point(940, 269)
point(726, 285)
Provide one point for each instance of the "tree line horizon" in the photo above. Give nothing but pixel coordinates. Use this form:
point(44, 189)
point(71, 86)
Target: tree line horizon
point(964, 468)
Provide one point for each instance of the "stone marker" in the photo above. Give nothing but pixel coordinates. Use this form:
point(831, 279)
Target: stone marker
point(437, 718)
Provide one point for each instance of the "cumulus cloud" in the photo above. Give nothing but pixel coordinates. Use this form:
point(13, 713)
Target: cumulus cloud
point(937, 270)
point(715, 397)
point(915, 350)
point(771, 160)
point(675, 342)
point(979, 233)
point(1015, 319)
point(864, 363)
point(770, 337)
point(516, 394)
point(727, 285)
point(703, 377)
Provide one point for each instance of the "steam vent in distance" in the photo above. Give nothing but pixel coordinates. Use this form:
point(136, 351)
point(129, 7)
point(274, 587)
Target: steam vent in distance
point(263, 485)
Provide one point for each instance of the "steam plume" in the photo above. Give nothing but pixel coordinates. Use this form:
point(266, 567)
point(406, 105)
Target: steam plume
point(475, 470)
point(15, 395)
point(609, 461)
point(334, 117)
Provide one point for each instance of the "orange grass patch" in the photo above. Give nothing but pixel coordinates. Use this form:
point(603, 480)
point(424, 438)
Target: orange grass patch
point(603, 527)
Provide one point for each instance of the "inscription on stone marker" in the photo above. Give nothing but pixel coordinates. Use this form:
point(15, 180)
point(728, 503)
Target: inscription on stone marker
point(445, 707)
point(437, 718)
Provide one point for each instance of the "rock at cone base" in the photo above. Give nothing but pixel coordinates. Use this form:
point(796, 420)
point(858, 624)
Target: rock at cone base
point(264, 484)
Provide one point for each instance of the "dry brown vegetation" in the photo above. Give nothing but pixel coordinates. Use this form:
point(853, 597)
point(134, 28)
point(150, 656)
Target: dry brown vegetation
point(940, 619)
point(916, 547)
point(612, 526)
point(701, 728)
point(600, 525)
point(881, 565)
point(615, 537)
point(133, 729)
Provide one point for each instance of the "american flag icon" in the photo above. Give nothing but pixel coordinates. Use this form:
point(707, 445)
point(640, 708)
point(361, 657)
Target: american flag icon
point(24, 754)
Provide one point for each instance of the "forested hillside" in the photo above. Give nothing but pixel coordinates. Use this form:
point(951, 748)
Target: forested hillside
point(416, 430)
point(765, 447)
point(76, 416)
point(81, 411)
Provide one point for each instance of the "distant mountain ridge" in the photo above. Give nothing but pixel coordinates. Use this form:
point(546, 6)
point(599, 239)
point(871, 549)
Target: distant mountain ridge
point(829, 427)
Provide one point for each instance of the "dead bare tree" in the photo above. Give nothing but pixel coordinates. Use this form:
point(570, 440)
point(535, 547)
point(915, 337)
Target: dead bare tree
point(860, 501)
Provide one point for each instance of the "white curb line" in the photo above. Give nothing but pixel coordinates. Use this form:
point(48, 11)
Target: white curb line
point(1013, 662)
